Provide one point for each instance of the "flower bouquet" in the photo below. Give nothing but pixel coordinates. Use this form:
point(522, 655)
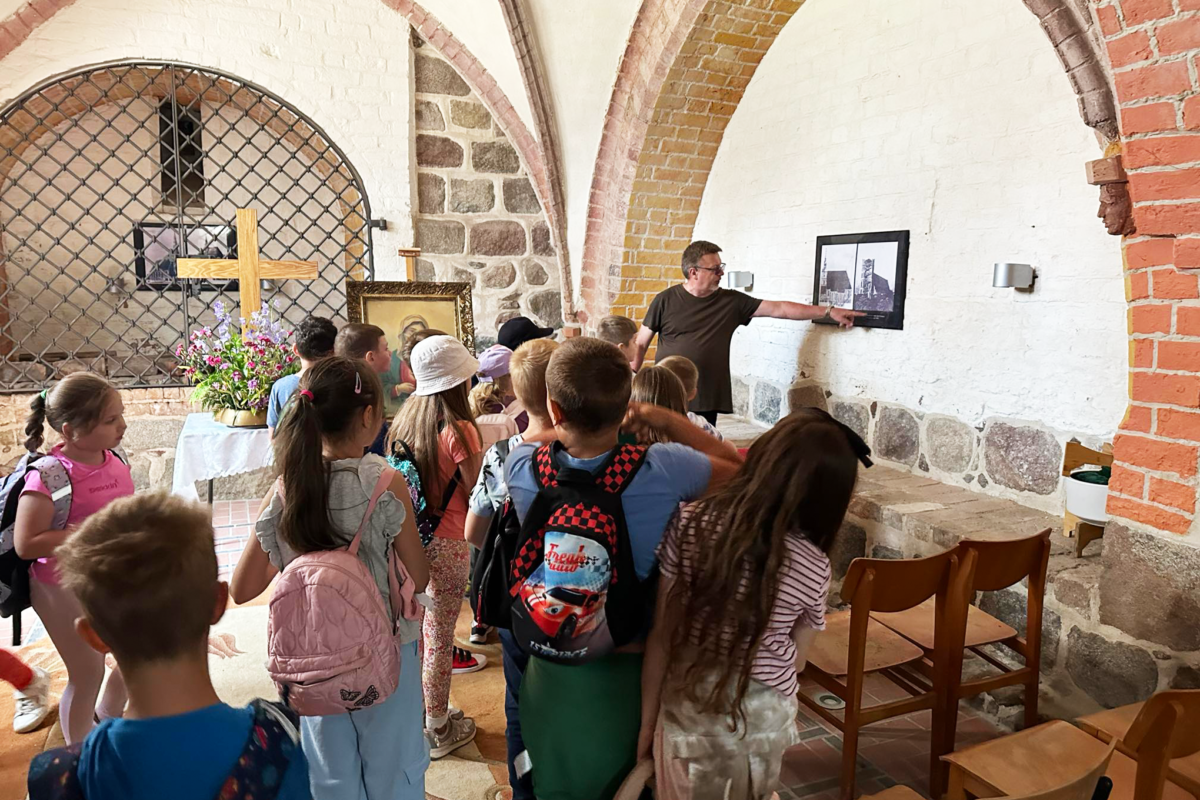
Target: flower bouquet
point(233, 369)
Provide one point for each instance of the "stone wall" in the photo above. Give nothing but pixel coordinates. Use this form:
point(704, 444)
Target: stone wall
point(478, 218)
point(999, 456)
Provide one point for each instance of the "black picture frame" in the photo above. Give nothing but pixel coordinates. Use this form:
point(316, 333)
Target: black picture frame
point(156, 247)
point(868, 273)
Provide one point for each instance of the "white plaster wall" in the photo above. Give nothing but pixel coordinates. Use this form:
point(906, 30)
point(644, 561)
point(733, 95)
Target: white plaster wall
point(582, 44)
point(953, 119)
point(480, 26)
point(345, 65)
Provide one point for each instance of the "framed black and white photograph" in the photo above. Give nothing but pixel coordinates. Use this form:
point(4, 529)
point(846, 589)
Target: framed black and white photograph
point(157, 246)
point(865, 272)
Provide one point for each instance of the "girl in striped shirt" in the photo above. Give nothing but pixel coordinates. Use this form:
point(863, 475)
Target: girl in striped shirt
point(745, 575)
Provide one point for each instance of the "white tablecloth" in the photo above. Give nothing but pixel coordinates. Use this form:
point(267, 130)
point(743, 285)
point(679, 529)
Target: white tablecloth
point(207, 449)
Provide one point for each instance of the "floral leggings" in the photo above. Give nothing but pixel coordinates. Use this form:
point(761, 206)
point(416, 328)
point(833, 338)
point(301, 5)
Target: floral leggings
point(448, 577)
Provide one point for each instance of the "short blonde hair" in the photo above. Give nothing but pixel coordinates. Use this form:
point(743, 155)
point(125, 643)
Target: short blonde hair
point(684, 369)
point(616, 330)
point(528, 370)
point(145, 571)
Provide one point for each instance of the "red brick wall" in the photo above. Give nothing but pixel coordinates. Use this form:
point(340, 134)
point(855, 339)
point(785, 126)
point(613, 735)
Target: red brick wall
point(1153, 47)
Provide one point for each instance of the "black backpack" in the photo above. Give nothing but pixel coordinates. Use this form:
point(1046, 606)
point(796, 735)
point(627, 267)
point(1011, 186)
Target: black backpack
point(575, 595)
point(490, 599)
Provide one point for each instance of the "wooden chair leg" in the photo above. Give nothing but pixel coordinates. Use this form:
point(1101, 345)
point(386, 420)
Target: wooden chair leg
point(849, 758)
point(1031, 699)
point(939, 730)
point(956, 791)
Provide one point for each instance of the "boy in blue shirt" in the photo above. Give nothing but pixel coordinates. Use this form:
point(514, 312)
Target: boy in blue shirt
point(145, 573)
point(588, 383)
point(314, 341)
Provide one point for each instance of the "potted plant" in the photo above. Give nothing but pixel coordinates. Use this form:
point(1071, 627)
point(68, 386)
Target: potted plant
point(233, 368)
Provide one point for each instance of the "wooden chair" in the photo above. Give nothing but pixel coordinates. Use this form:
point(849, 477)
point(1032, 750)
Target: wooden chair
point(1075, 455)
point(1080, 788)
point(1032, 761)
point(998, 565)
point(1114, 726)
point(854, 645)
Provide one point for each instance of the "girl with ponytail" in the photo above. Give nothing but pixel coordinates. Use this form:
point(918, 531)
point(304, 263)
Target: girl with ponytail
point(87, 412)
point(335, 414)
point(745, 574)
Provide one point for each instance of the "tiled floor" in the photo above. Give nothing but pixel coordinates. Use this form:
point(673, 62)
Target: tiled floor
point(233, 523)
point(891, 752)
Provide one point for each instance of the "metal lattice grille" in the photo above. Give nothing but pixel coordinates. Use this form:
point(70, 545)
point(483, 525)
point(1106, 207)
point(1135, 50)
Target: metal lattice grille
point(109, 174)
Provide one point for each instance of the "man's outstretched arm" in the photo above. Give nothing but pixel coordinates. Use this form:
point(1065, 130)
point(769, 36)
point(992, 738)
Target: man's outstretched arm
point(784, 309)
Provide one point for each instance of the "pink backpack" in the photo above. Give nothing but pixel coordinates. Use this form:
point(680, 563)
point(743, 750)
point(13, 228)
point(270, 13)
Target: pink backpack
point(330, 645)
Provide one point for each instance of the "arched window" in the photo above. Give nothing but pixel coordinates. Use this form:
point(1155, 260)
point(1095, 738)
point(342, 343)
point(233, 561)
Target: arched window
point(110, 173)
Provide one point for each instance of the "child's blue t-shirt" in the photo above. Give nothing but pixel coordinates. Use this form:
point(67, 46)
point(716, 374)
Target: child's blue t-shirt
point(671, 474)
point(281, 391)
point(184, 757)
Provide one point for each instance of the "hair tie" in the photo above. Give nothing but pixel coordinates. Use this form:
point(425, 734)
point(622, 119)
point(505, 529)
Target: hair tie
point(44, 394)
point(306, 394)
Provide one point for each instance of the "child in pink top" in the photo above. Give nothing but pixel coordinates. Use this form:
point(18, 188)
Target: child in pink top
point(437, 425)
point(87, 411)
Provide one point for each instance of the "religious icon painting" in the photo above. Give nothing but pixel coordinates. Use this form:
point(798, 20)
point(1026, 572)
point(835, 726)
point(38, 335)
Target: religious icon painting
point(402, 308)
point(865, 272)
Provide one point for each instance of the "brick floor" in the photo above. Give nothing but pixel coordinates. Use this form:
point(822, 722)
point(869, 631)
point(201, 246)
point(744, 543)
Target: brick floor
point(895, 751)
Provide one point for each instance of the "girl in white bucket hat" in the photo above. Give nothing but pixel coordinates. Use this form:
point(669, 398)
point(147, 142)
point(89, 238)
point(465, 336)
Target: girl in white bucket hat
point(436, 426)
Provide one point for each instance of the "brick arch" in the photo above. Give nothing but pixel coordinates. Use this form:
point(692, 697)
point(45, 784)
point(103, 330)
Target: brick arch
point(707, 73)
point(19, 25)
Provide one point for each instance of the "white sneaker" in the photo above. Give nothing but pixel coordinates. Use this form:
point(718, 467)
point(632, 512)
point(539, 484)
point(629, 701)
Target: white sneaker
point(458, 733)
point(32, 705)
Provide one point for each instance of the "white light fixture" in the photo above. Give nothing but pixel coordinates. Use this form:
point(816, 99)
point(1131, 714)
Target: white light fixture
point(1013, 276)
point(739, 280)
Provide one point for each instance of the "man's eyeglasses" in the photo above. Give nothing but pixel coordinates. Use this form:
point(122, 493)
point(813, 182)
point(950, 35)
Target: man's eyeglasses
point(718, 269)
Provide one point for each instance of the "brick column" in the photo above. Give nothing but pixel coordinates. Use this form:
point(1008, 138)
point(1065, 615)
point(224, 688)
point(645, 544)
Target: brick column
point(1153, 47)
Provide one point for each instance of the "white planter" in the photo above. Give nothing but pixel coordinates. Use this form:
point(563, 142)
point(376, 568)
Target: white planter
point(1087, 500)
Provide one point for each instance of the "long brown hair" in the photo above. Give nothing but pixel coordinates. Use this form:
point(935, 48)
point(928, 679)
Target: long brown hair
point(418, 424)
point(797, 480)
point(77, 400)
point(661, 387)
point(330, 398)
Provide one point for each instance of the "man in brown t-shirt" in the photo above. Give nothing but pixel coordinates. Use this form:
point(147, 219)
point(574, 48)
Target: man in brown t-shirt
point(697, 319)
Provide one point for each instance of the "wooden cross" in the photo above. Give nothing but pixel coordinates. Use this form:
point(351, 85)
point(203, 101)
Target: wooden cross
point(247, 267)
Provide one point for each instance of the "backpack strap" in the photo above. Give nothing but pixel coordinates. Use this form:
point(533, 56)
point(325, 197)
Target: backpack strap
point(622, 466)
point(272, 744)
point(53, 775)
point(55, 478)
point(545, 469)
point(381, 486)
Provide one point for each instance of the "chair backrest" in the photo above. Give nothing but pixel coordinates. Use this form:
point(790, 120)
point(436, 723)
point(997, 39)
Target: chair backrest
point(1003, 563)
point(1081, 788)
point(1075, 455)
point(897, 584)
point(1167, 727)
point(880, 584)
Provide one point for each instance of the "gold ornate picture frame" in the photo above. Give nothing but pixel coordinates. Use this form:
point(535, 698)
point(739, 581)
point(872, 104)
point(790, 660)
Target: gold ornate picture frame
point(403, 307)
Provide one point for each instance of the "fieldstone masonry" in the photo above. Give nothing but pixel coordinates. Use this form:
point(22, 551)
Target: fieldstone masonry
point(478, 218)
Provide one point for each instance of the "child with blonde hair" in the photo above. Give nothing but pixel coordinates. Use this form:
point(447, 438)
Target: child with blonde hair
point(320, 502)
point(685, 369)
point(745, 574)
point(437, 428)
point(88, 413)
point(144, 571)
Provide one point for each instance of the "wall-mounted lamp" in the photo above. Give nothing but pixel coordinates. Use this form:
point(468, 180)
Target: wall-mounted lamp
point(268, 285)
point(739, 280)
point(1013, 276)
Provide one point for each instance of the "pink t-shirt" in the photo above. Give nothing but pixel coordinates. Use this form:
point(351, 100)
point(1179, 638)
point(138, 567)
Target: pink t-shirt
point(450, 455)
point(92, 488)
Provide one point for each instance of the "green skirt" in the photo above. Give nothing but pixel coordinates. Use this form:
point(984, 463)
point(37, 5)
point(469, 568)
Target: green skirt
point(580, 725)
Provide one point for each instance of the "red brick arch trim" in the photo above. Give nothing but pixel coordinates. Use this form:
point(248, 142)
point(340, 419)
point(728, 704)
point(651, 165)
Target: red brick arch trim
point(18, 26)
